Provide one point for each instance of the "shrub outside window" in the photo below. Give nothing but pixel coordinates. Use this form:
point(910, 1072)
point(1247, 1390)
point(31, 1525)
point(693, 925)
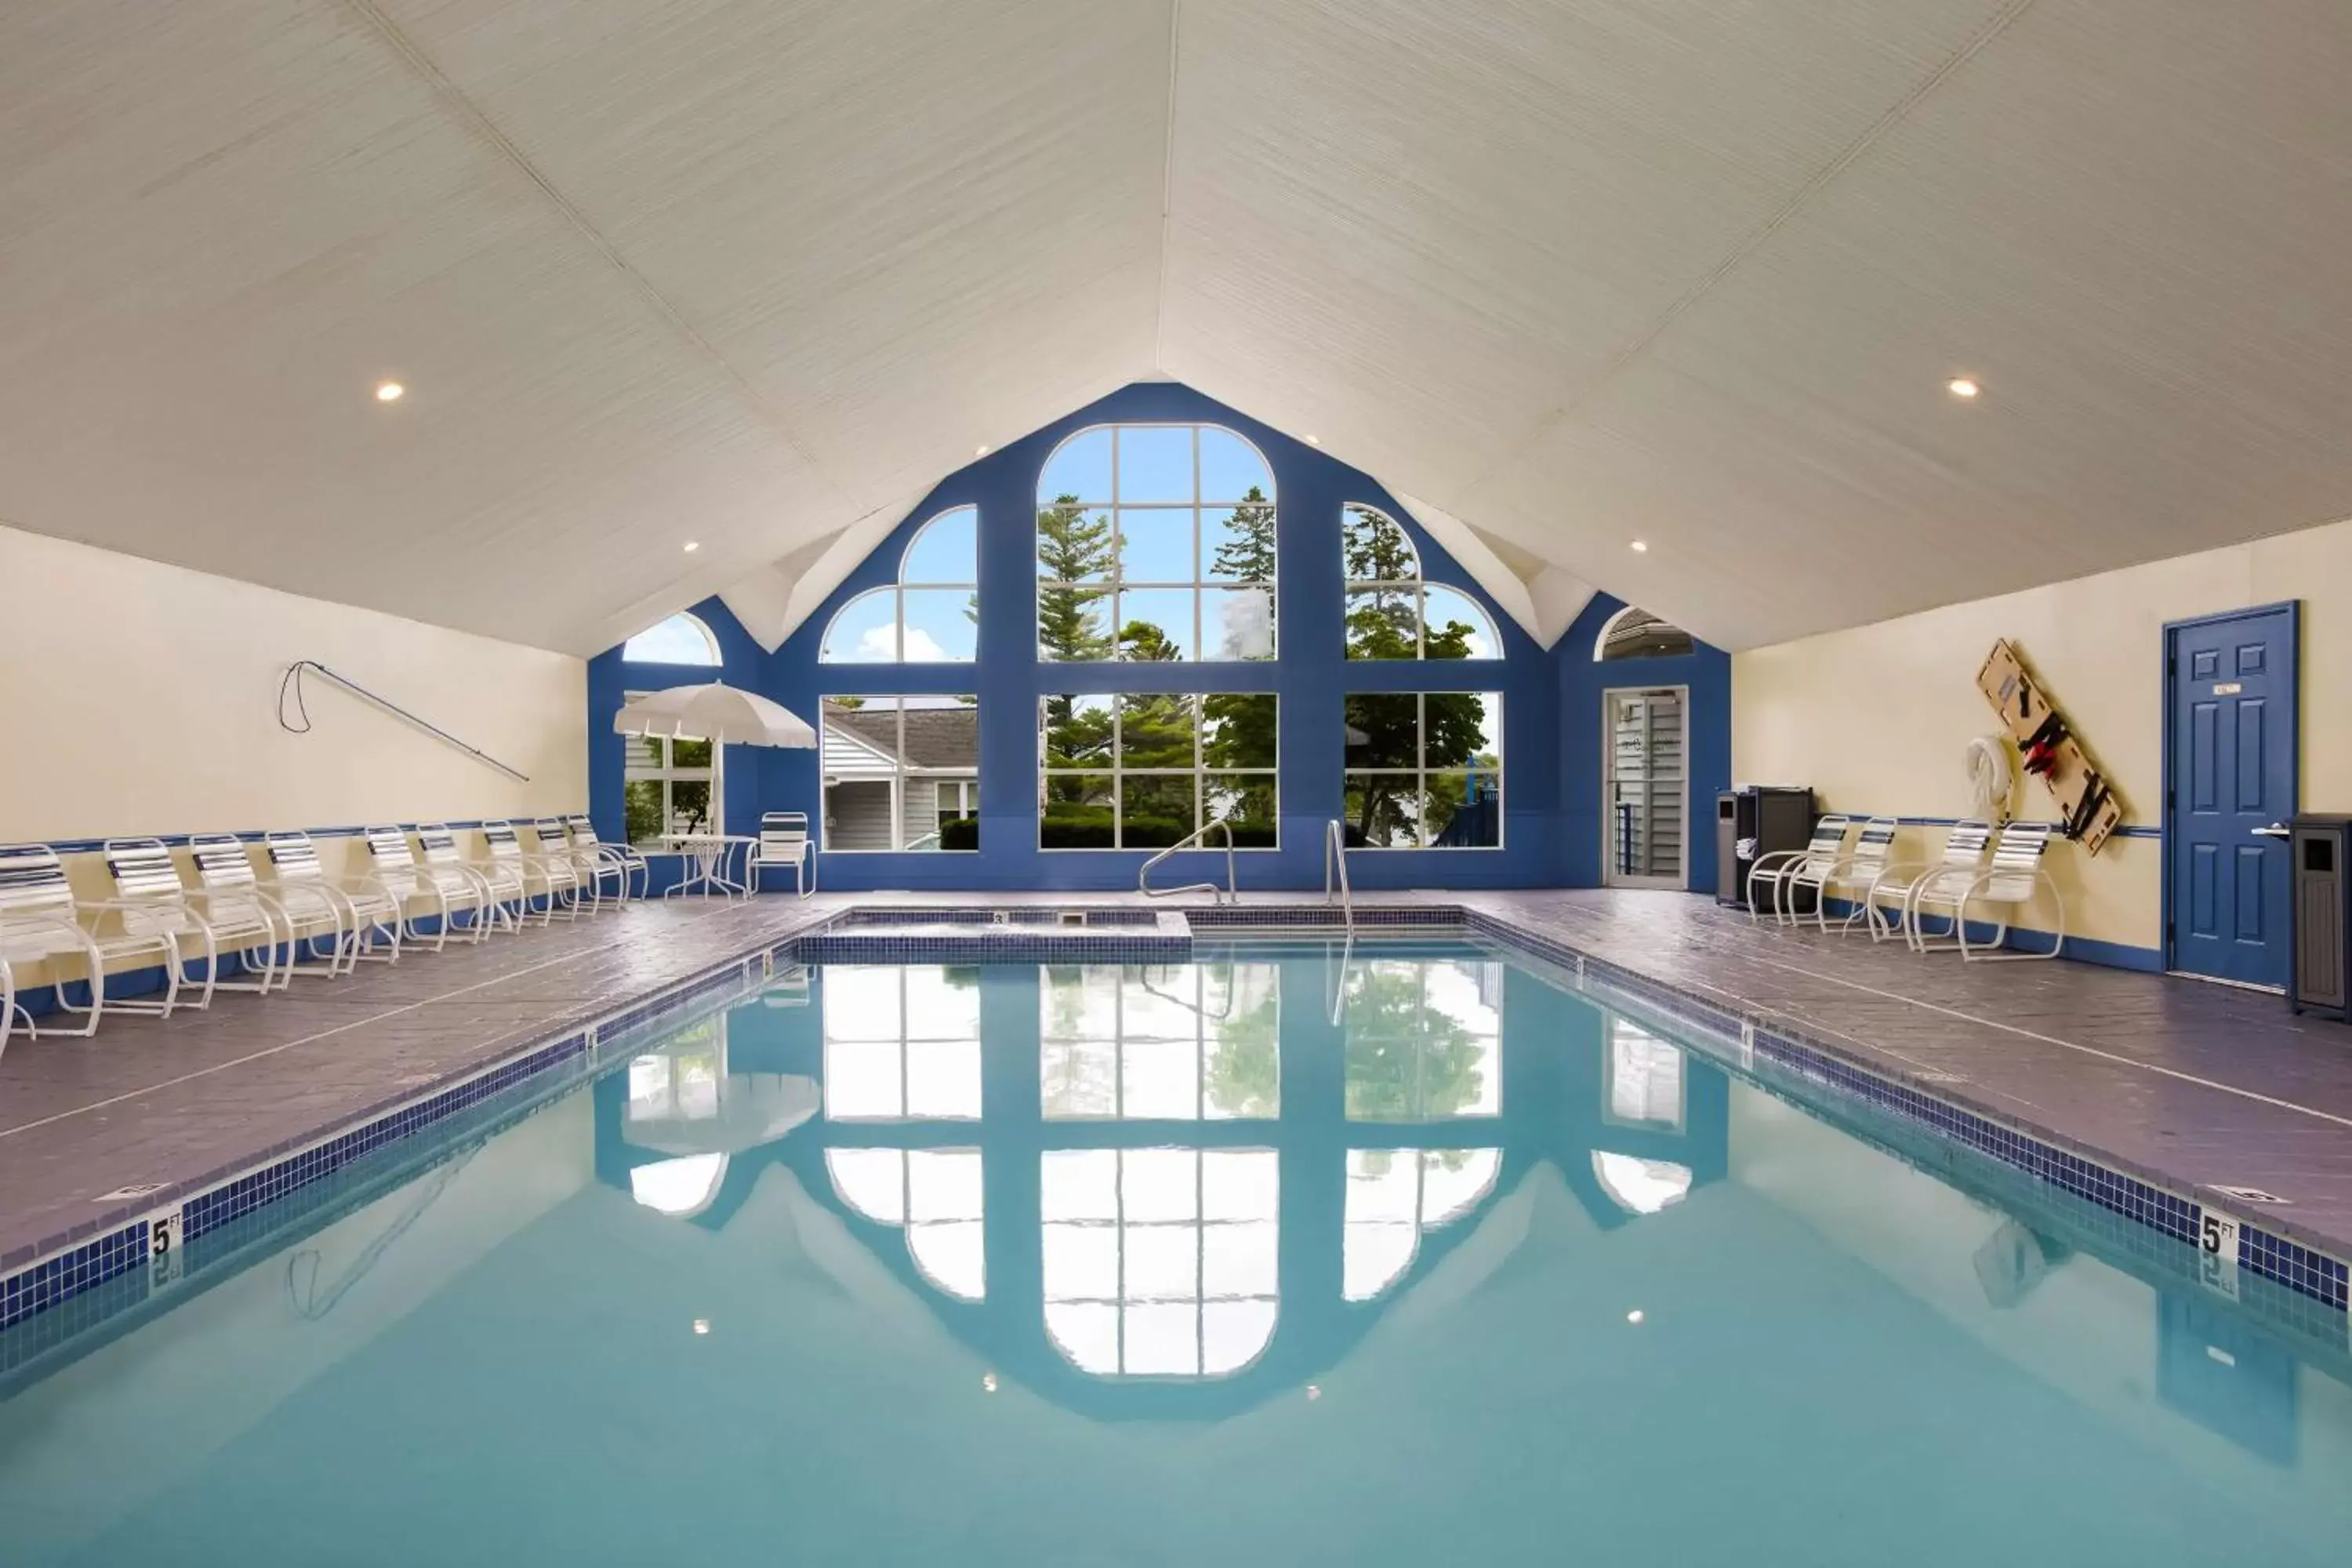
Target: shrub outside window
point(1144, 770)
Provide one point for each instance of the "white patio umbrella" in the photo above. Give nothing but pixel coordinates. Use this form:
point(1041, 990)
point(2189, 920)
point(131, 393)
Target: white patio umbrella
point(715, 713)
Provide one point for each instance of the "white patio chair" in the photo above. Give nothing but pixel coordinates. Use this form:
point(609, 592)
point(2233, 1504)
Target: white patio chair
point(1854, 873)
point(1964, 848)
point(417, 891)
point(362, 918)
point(599, 862)
point(41, 921)
point(554, 866)
point(8, 1005)
point(2010, 882)
point(506, 873)
point(234, 896)
point(445, 864)
point(1776, 870)
point(149, 896)
point(785, 842)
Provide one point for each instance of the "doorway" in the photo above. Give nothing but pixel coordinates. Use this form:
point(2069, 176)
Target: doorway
point(2232, 738)
point(1644, 786)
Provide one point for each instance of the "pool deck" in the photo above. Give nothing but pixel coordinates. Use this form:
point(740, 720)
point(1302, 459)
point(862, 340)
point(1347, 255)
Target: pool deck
point(2203, 1087)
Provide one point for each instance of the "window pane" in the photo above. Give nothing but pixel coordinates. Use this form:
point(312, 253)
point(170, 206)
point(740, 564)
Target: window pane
point(866, 630)
point(1238, 543)
point(1155, 463)
point(688, 753)
point(1073, 623)
point(1078, 1079)
point(681, 640)
point(1383, 623)
point(1155, 811)
point(689, 807)
point(1155, 625)
point(1078, 1185)
point(1155, 544)
point(1074, 544)
point(1164, 1339)
point(1246, 802)
point(940, 624)
point(1158, 1184)
point(1382, 811)
point(1238, 623)
point(1462, 728)
point(1157, 730)
point(1457, 627)
point(1081, 1262)
point(1383, 730)
point(1159, 1079)
point(641, 802)
point(1077, 813)
point(1375, 548)
point(946, 551)
point(1087, 1334)
point(1080, 468)
point(1077, 732)
point(1241, 1183)
point(1081, 1000)
point(1239, 729)
point(1238, 1260)
point(1465, 811)
point(1231, 468)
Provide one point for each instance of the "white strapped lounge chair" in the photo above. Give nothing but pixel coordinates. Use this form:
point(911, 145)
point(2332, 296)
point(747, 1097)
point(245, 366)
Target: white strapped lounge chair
point(8, 1004)
point(784, 841)
point(444, 863)
point(599, 862)
point(41, 921)
point(418, 891)
point(362, 919)
point(151, 898)
point(505, 874)
point(1779, 869)
point(2008, 883)
point(1854, 873)
point(232, 895)
point(555, 868)
point(1902, 880)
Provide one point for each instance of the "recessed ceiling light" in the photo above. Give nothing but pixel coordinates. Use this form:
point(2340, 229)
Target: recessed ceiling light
point(1641, 547)
point(389, 390)
point(981, 450)
point(1963, 388)
point(692, 545)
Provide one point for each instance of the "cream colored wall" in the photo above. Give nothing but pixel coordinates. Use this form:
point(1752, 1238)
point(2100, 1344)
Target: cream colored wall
point(140, 698)
point(1876, 718)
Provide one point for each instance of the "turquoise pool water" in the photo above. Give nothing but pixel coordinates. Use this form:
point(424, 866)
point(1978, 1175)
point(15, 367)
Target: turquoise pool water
point(1414, 1258)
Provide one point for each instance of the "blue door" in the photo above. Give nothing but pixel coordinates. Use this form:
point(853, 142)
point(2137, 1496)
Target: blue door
point(2232, 709)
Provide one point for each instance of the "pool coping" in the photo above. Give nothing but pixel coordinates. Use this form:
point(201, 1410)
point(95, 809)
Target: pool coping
point(153, 1226)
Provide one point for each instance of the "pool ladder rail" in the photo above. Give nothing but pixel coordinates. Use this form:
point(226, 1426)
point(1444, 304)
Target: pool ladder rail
point(1228, 894)
point(1335, 872)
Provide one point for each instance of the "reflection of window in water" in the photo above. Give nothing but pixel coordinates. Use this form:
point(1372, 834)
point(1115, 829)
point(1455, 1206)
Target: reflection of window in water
point(680, 1188)
point(681, 1082)
point(1175, 1042)
point(901, 1041)
point(1424, 1039)
point(1394, 1195)
point(1645, 1078)
point(1161, 1262)
point(935, 1195)
point(1640, 1187)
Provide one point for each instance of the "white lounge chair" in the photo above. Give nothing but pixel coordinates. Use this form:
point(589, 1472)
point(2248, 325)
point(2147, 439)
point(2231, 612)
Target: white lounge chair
point(599, 862)
point(234, 895)
point(504, 872)
point(446, 864)
point(1902, 880)
point(554, 866)
point(417, 891)
point(1777, 871)
point(785, 842)
point(2010, 882)
point(8, 1005)
point(1854, 873)
point(41, 921)
point(149, 896)
point(362, 917)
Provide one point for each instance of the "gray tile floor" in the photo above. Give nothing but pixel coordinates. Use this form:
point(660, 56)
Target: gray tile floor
point(2197, 1086)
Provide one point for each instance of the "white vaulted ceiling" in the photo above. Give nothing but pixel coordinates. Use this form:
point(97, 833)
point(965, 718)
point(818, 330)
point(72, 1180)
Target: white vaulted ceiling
point(1574, 272)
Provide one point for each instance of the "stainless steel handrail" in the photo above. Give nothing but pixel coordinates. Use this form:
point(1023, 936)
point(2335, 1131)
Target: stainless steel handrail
point(1230, 893)
point(1335, 855)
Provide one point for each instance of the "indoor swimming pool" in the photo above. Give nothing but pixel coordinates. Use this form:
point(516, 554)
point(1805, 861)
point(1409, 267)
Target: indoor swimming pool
point(1396, 1251)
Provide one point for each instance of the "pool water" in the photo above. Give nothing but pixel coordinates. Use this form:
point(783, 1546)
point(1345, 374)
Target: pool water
point(1399, 1253)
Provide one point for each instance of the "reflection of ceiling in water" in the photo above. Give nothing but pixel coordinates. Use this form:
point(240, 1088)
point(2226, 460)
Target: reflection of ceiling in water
point(1157, 1168)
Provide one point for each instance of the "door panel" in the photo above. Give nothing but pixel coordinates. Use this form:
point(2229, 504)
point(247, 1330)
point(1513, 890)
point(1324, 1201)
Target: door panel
point(1644, 787)
point(2230, 688)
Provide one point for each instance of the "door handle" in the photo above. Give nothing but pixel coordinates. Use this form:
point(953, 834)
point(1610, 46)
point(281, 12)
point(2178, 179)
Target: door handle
point(2275, 830)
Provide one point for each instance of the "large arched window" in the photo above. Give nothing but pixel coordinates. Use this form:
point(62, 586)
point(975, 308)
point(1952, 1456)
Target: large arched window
point(1634, 632)
point(1395, 1194)
point(681, 640)
point(937, 1197)
point(1639, 1186)
point(1391, 613)
point(1155, 542)
point(930, 615)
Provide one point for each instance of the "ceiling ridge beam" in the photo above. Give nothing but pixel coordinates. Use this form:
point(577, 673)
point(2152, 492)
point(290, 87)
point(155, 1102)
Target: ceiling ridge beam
point(1753, 241)
point(1167, 197)
point(483, 126)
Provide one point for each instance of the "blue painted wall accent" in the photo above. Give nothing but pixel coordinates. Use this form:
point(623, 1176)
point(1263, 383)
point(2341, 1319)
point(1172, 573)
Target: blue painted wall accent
point(1706, 671)
point(1551, 725)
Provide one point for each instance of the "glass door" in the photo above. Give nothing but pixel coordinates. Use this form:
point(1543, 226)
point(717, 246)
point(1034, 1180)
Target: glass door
point(1645, 787)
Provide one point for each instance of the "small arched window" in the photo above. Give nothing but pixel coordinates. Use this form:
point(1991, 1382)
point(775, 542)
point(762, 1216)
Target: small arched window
point(1634, 632)
point(1639, 1186)
point(681, 640)
point(1396, 1195)
point(930, 615)
point(1392, 612)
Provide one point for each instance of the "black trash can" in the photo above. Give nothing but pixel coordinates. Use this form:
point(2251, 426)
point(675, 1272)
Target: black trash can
point(2320, 847)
